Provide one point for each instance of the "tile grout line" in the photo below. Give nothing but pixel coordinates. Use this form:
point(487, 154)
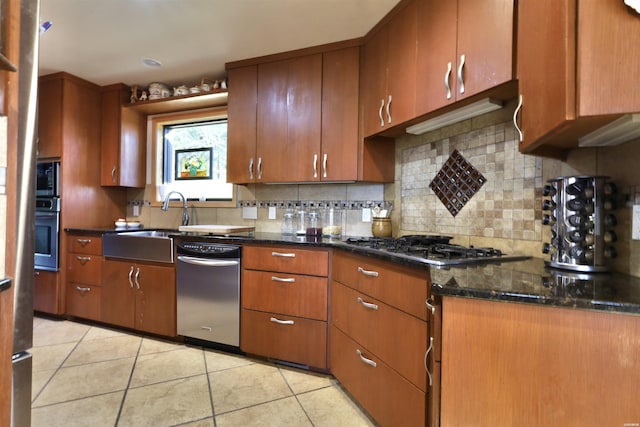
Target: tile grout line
point(126, 390)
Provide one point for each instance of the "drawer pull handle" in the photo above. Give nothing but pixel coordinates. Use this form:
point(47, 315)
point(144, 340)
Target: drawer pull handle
point(282, 279)
point(206, 328)
point(83, 259)
point(282, 322)
point(83, 242)
point(280, 254)
point(80, 289)
point(367, 304)
point(365, 360)
point(430, 306)
point(426, 356)
point(368, 272)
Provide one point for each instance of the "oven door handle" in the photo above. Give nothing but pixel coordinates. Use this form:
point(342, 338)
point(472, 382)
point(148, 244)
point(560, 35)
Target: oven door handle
point(46, 215)
point(207, 262)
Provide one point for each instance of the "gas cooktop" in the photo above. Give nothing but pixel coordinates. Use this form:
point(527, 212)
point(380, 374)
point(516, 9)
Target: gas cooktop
point(433, 250)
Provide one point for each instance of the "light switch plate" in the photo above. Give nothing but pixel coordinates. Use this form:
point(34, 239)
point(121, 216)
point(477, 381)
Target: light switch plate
point(635, 223)
point(272, 212)
point(250, 212)
point(366, 215)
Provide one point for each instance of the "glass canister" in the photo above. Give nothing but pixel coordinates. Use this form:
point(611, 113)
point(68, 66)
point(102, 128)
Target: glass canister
point(314, 224)
point(301, 221)
point(288, 224)
point(332, 224)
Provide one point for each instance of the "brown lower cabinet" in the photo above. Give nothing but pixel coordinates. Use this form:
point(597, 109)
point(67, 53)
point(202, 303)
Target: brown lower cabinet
point(47, 292)
point(388, 397)
point(139, 296)
point(84, 276)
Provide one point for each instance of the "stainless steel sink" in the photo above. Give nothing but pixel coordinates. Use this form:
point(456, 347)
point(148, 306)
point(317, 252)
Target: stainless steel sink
point(141, 245)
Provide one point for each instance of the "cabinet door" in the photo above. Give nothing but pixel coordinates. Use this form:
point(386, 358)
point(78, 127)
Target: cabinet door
point(155, 299)
point(436, 69)
point(374, 82)
point(485, 38)
point(289, 102)
point(46, 292)
point(241, 132)
point(50, 118)
point(123, 141)
point(340, 146)
point(118, 298)
point(546, 66)
point(401, 65)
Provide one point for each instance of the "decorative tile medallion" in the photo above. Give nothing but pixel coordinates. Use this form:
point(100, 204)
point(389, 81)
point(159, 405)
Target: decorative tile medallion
point(456, 182)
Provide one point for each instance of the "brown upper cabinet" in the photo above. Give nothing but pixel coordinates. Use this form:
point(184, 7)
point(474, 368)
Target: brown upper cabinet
point(295, 119)
point(50, 119)
point(388, 72)
point(464, 47)
point(123, 140)
point(578, 64)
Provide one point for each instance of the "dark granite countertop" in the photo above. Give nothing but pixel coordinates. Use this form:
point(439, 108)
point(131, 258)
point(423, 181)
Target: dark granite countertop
point(528, 281)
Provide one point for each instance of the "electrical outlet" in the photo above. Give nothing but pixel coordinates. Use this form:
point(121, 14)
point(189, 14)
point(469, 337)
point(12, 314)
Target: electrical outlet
point(272, 212)
point(366, 215)
point(635, 223)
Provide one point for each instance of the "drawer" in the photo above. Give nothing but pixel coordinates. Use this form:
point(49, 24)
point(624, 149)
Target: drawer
point(392, 335)
point(289, 294)
point(91, 245)
point(300, 340)
point(286, 259)
point(83, 301)
point(402, 287)
point(389, 398)
point(85, 269)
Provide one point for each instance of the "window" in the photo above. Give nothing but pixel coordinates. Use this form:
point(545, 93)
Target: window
point(191, 157)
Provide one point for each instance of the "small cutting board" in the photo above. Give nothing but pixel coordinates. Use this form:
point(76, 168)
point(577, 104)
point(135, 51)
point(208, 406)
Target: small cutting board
point(215, 229)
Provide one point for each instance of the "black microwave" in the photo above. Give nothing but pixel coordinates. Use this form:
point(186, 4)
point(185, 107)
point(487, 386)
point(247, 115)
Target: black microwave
point(48, 179)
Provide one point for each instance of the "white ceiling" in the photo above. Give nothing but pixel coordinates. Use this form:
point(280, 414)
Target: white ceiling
point(104, 41)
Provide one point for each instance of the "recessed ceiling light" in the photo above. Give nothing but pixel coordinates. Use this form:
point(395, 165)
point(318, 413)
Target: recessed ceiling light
point(150, 62)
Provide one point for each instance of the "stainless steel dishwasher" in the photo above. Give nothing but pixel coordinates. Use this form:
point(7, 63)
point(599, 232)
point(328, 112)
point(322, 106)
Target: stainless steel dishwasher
point(208, 293)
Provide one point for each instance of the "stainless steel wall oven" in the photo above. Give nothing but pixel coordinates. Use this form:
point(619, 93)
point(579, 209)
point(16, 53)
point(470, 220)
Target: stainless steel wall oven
point(47, 233)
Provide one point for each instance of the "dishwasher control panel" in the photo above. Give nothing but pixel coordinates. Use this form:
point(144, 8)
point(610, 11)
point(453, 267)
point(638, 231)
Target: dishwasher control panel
point(209, 250)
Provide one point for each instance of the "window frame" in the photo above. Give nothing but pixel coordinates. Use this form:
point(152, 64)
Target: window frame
point(157, 122)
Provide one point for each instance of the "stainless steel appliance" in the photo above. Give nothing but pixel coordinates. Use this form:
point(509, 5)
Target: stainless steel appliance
point(432, 250)
point(24, 212)
point(579, 210)
point(48, 179)
point(47, 231)
point(208, 292)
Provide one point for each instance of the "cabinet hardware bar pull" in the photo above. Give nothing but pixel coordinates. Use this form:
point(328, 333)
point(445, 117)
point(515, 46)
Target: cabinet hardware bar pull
point(83, 259)
point(324, 166)
point(137, 276)
point(315, 165)
point(282, 322)
point(206, 328)
point(515, 119)
point(259, 167)
point(280, 254)
point(389, 110)
point(82, 289)
point(367, 272)
point(131, 277)
point(430, 306)
point(365, 360)
point(460, 75)
point(113, 174)
point(447, 80)
point(285, 280)
point(380, 113)
point(426, 356)
point(206, 262)
point(251, 168)
point(367, 304)
point(83, 242)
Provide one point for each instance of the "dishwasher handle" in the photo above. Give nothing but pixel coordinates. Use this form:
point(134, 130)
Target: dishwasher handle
point(208, 262)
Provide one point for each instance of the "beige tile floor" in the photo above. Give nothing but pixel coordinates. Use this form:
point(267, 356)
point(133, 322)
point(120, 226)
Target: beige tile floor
point(84, 375)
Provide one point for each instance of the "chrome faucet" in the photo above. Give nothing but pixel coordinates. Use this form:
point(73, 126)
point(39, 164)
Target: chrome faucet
point(185, 212)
